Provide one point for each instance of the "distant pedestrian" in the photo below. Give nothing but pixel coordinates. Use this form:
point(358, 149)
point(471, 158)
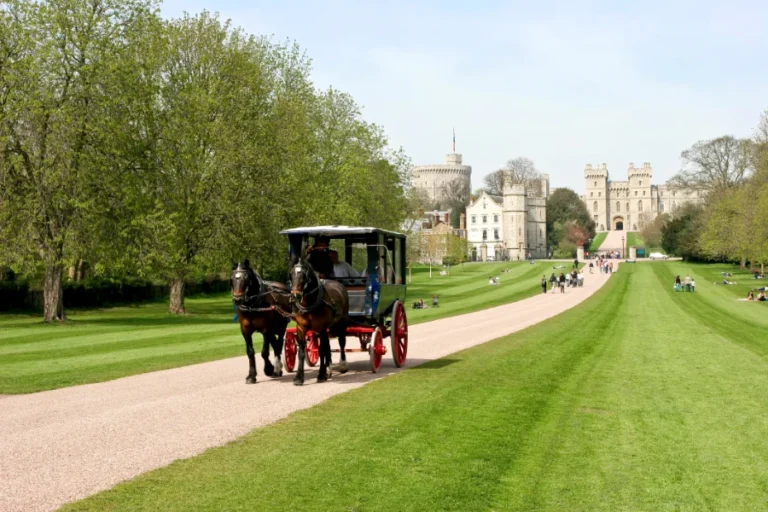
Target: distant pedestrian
point(562, 283)
point(576, 263)
point(590, 267)
point(543, 284)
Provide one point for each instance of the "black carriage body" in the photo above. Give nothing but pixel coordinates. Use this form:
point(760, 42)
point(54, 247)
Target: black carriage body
point(373, 294)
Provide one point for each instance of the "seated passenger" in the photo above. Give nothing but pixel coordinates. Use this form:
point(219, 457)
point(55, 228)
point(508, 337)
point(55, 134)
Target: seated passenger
point(342, 268)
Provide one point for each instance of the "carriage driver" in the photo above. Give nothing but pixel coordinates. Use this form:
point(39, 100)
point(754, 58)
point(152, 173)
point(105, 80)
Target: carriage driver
point(320, 258)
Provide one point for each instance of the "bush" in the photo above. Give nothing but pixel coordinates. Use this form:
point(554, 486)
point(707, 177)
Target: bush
point(565, 250)
point(450, 260)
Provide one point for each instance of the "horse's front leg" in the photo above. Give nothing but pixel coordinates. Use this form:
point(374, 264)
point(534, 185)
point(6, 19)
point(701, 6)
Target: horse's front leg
point(343, 368)
point(269, 337)
point(325, 357)
point(301, 341)
point(277, 348)
point(251, 378)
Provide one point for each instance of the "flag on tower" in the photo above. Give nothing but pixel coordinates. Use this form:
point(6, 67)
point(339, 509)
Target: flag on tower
point(454, 140)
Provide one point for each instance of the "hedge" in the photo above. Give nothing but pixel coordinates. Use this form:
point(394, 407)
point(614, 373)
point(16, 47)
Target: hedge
point(92, 293)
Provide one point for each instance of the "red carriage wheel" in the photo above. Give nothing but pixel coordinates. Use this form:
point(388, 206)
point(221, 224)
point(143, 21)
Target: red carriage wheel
point(289, 351)
point(376, 349)
point(399, 334)
point(313, 348)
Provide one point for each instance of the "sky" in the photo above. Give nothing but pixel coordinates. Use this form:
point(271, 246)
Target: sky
point(562, 83)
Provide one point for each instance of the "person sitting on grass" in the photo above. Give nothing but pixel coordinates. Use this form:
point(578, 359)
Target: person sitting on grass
point(761, 289)
point(726, 274)
point(750, 297)
point(725, 281)
point(762, 297)
point(435, 301)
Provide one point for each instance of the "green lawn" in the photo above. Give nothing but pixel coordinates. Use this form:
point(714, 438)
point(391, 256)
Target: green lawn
point(638, 399)
point(99, 345)
point(596, 242)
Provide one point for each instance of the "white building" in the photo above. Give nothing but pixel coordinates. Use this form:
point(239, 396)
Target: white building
point(511, 226)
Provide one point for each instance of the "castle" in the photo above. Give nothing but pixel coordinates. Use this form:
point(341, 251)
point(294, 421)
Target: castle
point(510, 226)
point(627, 205)
point(433, 179)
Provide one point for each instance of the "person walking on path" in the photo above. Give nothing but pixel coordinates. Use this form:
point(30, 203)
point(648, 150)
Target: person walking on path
point(553, 280)
point(562, 283)
point(590, 267)
point(576, 263)
point(543, 284)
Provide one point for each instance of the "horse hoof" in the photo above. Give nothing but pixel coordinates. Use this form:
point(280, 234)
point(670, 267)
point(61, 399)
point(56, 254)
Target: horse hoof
point(322, 378)
point(342, 367)
point(277, 374)
point(298, 382)
point(250, 380)
point(269, 370)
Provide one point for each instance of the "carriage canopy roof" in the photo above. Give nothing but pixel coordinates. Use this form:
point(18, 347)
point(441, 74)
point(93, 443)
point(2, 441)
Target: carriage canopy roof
point(339, 231)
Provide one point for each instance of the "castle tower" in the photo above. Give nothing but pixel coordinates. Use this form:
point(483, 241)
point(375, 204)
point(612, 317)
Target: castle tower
point(536, 207)
point(514, 223)
point(639, 195)
point(596, 197)
point(433, 178)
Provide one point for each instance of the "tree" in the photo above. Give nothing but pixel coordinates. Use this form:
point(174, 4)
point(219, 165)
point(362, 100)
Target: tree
point(716, 164)
point(682, 234)
point(57, 77)
point(517, 171)
point(650, 230)
point(455, 198)
point(564, 206)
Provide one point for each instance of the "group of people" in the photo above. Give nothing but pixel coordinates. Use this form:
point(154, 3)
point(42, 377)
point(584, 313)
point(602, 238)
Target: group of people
point(725, 280)
point(572, 279)
point(421, 305)
point(325, 261)
point(685, 285)
point(605, 266)
point(493, 281)
point(760, 296)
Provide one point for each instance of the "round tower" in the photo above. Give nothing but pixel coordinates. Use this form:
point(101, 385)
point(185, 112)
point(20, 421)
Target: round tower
point(514, 220)
point(433, 178)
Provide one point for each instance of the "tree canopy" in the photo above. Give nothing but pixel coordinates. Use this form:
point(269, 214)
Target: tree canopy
point(167, 148)
point(568, 220)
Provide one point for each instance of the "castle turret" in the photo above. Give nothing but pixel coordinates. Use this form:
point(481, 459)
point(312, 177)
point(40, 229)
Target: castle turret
point(596, 197)
point(434, 178)
point(514, 220)
point(639, 195)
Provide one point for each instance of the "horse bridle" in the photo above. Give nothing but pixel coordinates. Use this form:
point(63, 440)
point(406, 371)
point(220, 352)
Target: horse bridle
point(298, 298)
point(250, 276)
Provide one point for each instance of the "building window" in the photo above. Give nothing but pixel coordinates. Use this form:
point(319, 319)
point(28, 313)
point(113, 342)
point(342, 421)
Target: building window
point(595, 183)
point(644, 192)
point(495, 218)
point(483, 205)
point(591, 194)
point(635, 192)
point(627, 193)
point(627, 210)
point(639, 206)
point(485, 219)
point(674, 193)
point(618, 206)
point(485, 234)
point(599, 194)
point(595, 218)
point(495, 234)
point(594, 206)
point(640, 183)
point(519, 232)
point(661, 207)
point(474, 220)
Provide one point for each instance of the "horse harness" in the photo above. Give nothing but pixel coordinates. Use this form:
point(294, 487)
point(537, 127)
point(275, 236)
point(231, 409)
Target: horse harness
point(250, 303)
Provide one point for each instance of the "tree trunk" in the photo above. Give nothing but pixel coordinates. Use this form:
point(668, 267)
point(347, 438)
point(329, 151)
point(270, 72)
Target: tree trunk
point(743, 263)
point(177, 297)
point(53, 294)
point(80, 275)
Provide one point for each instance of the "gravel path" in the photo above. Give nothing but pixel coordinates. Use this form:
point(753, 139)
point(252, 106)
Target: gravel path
point(62, 445)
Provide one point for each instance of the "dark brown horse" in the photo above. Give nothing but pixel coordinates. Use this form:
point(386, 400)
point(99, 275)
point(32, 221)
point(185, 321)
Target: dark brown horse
point(259, 304)
point(319, 306)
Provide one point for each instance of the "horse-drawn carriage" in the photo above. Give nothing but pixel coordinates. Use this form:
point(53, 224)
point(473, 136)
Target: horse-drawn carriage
point(375, 285)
